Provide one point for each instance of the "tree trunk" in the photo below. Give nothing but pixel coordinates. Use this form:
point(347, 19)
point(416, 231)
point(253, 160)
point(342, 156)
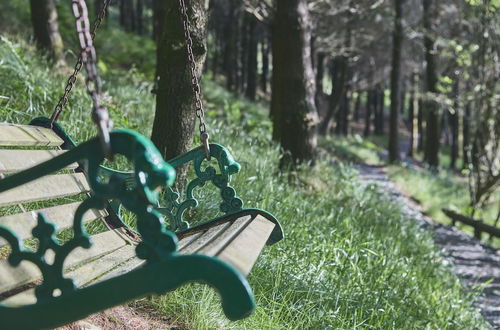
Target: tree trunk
point(412, 107)
point(292, 91)
point(453, 120)
point(139, 15)
point(175, 102)
point(244, 50)
point(357, 106)
point(368, 112)
point(431, 151)
point(397, 44)
point(231, 48)
point(466, 134)
point(159, 9)
point(251, 87)
point(46, 28)
point(265, 60)
point(339, 76)
point(320, 73)
point(379, 103)
point(421, 133)
point(127, 15)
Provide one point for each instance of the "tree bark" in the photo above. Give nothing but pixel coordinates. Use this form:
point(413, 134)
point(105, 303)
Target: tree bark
point(431, 151)
point(412, 108)
point(420, 124)
point(368, 112)
point(357, 106)
point(139, 15)
point(127, 15)
point(175, 101)
point(397, 44)
point(466, 134)
point(379, 103)
point(292, 103)
point(251, 86)
point(46, 28)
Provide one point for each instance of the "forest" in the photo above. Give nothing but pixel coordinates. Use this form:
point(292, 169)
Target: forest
point(368, 131)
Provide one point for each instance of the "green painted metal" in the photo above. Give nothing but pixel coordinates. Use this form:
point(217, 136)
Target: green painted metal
point(164, 270)
point(173, 207)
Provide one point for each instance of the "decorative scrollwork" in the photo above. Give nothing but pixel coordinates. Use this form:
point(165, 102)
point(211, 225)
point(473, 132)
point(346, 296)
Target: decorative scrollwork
point(173, 207)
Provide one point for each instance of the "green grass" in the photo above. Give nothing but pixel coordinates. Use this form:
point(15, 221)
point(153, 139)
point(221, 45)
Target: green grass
point(350, 260)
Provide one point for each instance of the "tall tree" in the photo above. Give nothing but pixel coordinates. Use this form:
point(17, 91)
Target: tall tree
point(431, 150)
point(292, 105)
point(251, 86)
point(175, 100)
point(397, 45)
point(46, 28)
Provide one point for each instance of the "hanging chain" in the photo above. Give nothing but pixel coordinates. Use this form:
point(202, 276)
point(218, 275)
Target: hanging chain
point(63, 101)
point(200, 112)
point(100, 114)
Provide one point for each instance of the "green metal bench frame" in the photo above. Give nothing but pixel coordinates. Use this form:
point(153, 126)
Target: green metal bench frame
point(165, 269)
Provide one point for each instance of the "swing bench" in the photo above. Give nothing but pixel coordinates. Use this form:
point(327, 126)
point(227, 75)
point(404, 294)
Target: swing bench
point(65, 249)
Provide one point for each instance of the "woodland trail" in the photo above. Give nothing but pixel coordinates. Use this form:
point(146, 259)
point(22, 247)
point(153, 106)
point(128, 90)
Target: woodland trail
point(475, 263)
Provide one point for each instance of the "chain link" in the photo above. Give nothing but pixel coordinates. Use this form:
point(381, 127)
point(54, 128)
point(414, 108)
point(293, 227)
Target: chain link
point(200, 112)
point(63, 101)
point(100, 114)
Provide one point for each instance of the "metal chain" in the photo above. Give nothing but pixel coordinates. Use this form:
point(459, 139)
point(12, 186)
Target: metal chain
point(100, 114)
point(63, 101)
point(200, 112)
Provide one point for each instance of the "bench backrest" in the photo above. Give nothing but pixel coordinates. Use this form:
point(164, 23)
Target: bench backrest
point(57, 196)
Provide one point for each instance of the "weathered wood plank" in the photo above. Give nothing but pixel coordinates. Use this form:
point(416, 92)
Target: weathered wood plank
point(47, 187)
point(217, 244)
point(12, 160)
point(24, 135)
point(62, 216)
point(188, 240)
point(95, 269)
point(244, 250)
point(120, 270)
point(11, 278)
point(205, 238)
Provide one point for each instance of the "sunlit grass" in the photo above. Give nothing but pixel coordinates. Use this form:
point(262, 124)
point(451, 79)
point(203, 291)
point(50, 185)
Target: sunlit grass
point(349, 259)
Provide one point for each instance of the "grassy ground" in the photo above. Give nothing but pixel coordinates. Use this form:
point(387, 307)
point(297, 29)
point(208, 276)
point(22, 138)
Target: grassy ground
point(350, 260)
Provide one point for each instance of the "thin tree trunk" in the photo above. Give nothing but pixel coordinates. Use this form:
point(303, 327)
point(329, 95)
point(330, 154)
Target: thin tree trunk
point(159, 8)
point(244, 49)
point(466, 134)
point(175, 102)
point(397, 44)
point(453, 119)
point(431, 154)
point(412, 108)
point(368, 113)
point(339, 77)
point(320, 73)
point(421, 132)
point(293, 94)
point(139, 15)
point(46, 28)
point(265, 60)
point(357, 106)
point(251, 87)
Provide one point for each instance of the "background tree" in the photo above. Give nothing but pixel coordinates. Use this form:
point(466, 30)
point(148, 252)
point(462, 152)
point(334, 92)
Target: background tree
point(292, 108)
point(46, 28)
point(175, 101)
point(397, 41)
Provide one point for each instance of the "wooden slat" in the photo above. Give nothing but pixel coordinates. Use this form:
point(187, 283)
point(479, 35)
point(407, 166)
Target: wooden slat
point(217, 244)
point(122, 269)
point(47, 187)
point(244, 250)
point(62, 216)
point(95, 269)
point(17, 160)
point(82, 275)
point(205, 238)
point(11, 278)
point(188, 240)
point(24, 135)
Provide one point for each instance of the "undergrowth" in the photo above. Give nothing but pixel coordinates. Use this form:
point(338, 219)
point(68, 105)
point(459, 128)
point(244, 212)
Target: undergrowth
point(349, 259)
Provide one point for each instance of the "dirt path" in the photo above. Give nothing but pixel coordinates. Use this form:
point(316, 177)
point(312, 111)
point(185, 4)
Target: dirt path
point(475, 263)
